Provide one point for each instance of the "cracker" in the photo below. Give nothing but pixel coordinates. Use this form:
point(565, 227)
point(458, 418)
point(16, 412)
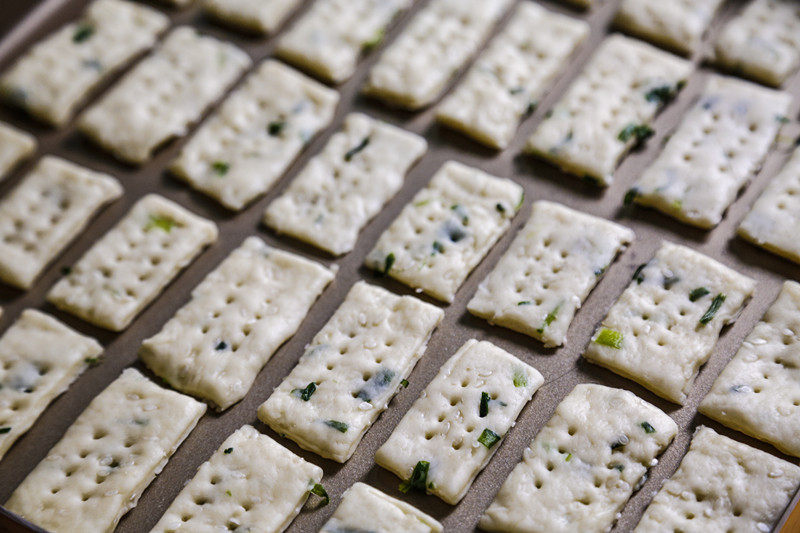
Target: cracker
point(447, 229)
point(763, 42)
point(676, 24)
point(39, 358)
point(15, 146)
point(351, 370)
point(758, 392)
point(609, 108)
point(105, 460)
point(666, 323)
point(416, 68)
point(714, 152)
point(508, 79)
point(773, 218)
point(163, 95)
point(722, 485)
point(365, 508)
point(56, 75)
point(242, 150)
point(584, 465)
point(132, 263)
point(548, 271)
point(262, 16)
point(251, 483)
point(457, 423)
point(254, 301)
point(45, 212)
point(341, 189)
point(330, 38)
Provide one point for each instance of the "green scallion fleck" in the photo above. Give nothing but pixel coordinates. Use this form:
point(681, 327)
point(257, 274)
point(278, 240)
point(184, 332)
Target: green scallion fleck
point(663, 94)
point(356, 149)
point(163, 223)
point(91, 361)
point(521, 201)
point(489, 438)
point(341, 427)
point(483, 410)
point(520, 378)
point(500, 208)
point(551, 316)
point(698, 293)
point(66, 270)
point(227, 451)
point(221, 345)
point(524, 302)
point(320, 491)
point(229, 493)
point(638, 132)
point(637, 274)
point(82, 33)
point(630, 196)
point(388, 263)
point(220, 167)
point(373, 43)
point(647, 427)
point(418, 479)
point(438, 247)
point(716, 303)
point(306, 393)
point(4, 430)
point(669, 281)
point(618, 467)
point(404, 383)
point(276, 127)
point(610, 338)
point(568, 458)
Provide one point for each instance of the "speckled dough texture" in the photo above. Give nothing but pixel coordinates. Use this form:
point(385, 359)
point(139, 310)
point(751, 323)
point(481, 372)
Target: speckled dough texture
point(15, 146)
point(56, 75)
point(132, 263)
point(447, 229)
point(722, 485)
point(351, 370)
point(344, 186)
point(251, 483)
point(447, 425)
point(583, 466)
point(263, 16)
point(665, 325)
point(622, 87)
point(216, 344)
point(508, 79)
point(107, 457)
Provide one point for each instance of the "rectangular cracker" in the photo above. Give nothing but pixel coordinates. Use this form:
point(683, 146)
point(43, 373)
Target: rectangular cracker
point(675, 24)
point(15, 146)
point(107, 457)
point(254, 301)
point(331, 37)
point(508, 79)
point(39, 358)
point(351, 370)
point(45, 212)
point(251, 483)
point(615, 98)
point(758, 393)
point(584, 465)
point(773, 218)
point(763, 42)
point(342, 188)
point(714, 152)
point(443, 35)
point(163, 95)
point(548, 271)
point(262, 16)
point(57, 74)
point(447, 229)
point(457, 423)
point(722, 485)
point(242, 150)
point(666, 323)
point(365, 508)
point(127, 268)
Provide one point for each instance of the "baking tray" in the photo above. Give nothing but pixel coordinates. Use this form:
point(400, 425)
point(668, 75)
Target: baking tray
point(562, 368)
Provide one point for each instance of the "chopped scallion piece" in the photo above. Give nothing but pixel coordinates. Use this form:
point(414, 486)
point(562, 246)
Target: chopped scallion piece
point(549, 318)
point(610, 338)
point(568, 458)
point(630, 196)
point(716, 303)
point(220, 167)
point(341, 427)
point(307, 393)
point(404, 383)
point(320, 491)
point(500, 208)
point(647, 427)
point(418, 479)
point(163, 223)
point(373, 43)
point(637, 274)
point(276, 127)
point(669, 281)
point(698, 293)
point(438, 247)
point(388, 263)
point(91, 361)
point(4, 430)
point(227, 451)
point(638, 132)
point(82, 33)
point(221, 345)
point(524, 302)
point(353, 151)
point(520, 378)
point(483, 410)
point(489, 438)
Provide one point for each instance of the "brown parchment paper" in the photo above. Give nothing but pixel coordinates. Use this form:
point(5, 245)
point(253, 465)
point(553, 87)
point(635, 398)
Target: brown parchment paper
point(562, 368)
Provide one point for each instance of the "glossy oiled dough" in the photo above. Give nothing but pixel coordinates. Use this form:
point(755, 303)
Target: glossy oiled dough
point(581, 133)
point(508, 78)
point(441, 38)
point(774, 218)
point(15, 146)
point(763, 42)
point(39, 358)
point(338, 192)
point(331, 36)
point(444, 425)
point(259, 130)
point(446, 229)
point(357, 362)
point(58, 73)
point(107, 457)
point(264, 16)
point(163, 95)
point(717, 148)
point(44, 212)
point(570, 478)
point(663, 344)
point(548, 271)
point(676, 24)
point(759, 391)
point(365, 508)
point(216, 344)
point(129, 266)
point(722, 485)
point(251, 483)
